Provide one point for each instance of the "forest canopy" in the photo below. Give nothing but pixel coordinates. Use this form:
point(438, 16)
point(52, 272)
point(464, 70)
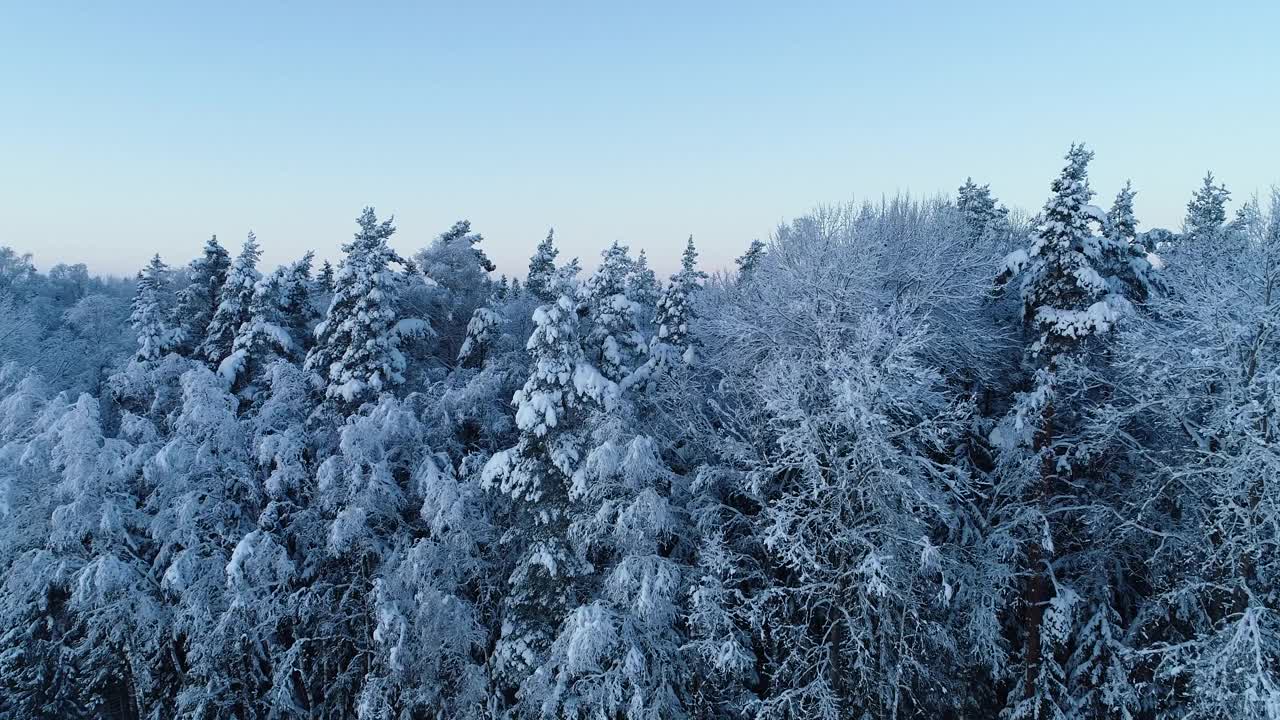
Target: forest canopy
point(922, 458)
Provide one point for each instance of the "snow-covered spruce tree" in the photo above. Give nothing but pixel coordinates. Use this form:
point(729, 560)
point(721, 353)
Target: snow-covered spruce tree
point(978, 208)
point(264, 338)
point(199, 299)
point(1121, 222)
point(457, 275)
point(750, 260)
point(152, 317)
point(429, 634)
point(537, 473)
point(234, 304)
point(325, 278)
point(98, 533)
point(357, 352)
point(204, 501)
point(298, 309)
point(39, 677)
point(1077, 281)
point(618, 652)
point(643, 288)
point(276, 566)
point(1207, 210)
point(540, 281)
point(613, 343)
point(482, 330)
point(671, 343)
point(1100, 668)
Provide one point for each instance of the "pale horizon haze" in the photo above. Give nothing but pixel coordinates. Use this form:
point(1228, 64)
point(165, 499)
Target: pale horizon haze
point(132, 128)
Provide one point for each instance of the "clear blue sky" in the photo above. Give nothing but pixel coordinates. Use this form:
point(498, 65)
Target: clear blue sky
point(131, 128)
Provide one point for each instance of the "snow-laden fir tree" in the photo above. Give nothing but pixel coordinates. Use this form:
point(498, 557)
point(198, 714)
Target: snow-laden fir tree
point(198, 300)
point(1120, 218)
point(430, 634)
point(482, 330)
point(542, 270)
point(675, 309)
point(152, 317)
point(618, 653)
point(457, 272)
point(750, 260)
point(265, 337)
point(537, 473)
point(298, 310)
point(978, 208)
point(614, 343)
point(39, 677)
point(643, 286)
point(357, 352)
point(1077, 281)
point(1101, 664)
point(233, 303)
point(326, 276)
point(1207, 210)
point(204, 502)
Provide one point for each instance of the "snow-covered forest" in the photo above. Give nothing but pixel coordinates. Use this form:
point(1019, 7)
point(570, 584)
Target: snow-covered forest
point(914, 459)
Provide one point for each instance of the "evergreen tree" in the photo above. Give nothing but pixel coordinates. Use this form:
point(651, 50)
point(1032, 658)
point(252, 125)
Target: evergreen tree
point(613, 339)
point(618, 653)
point(1121, 223)
point(978, 208)
point(152, 312)
point(482, 330)
point(325, 278)
point(460, 283)
point(233, 304)
point(297, 308)
point(1207, 210)
point(1076, 285)
point(675, 308)
point(265, 337)
point(461, 232)
point(357, 355)
point(749, 261)
point(642, 283)
point(538, 473)
point(542, 270)
point(199, 299)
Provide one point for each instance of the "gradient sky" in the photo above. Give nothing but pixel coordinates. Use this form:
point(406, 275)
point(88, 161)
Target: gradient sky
point(131, 128)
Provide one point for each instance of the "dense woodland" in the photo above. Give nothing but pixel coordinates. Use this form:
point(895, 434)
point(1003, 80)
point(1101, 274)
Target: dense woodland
point(915, 459)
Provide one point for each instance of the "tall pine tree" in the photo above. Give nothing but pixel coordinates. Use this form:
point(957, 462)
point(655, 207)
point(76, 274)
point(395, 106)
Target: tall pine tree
point(357, 354)
point(199, 299)
point(234, 304)
point(152, 312)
